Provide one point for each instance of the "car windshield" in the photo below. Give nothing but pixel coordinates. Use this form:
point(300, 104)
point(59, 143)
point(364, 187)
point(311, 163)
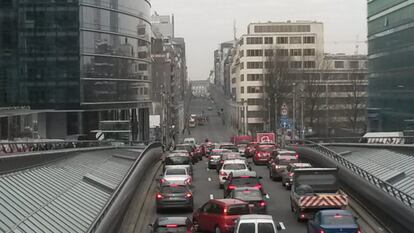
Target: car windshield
point(247, 228)
point(241, 181)
point(177, 160)
point(234, 166)
point(173, 189)
point(266, 148)
point(175, 172)
point(183, 147)
point(172, 229)
point(238, 210)
point(247, 195)
point(265, 227)
point(338, 220)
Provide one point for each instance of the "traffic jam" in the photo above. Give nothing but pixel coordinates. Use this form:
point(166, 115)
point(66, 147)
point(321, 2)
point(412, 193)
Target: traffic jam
point(315, 197)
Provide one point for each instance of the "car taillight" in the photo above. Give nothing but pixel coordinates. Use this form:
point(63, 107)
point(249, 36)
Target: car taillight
point(290, 174)
point(162, 180)
point(223, 173)
point(187, 181)
point(189, 195)
point(159, 196)
point(296, 156)
point(221, 161)
point(171, 225)
point(277, 167)
point(258, 186)
point(262, 204)
point(359, 230)
point(232, 187)
point(321, 231)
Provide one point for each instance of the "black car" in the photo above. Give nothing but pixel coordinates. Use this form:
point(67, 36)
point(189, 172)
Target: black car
point(253, 196)
point(172, 225)
point(238, 179)
point(174, 196)
point(178, 160)
point(190, 149)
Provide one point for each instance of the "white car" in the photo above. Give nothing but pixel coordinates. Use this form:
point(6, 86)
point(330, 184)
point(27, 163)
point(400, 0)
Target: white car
point(190, 141)
point(256, 223)
point(229, 166)
point(179, 176)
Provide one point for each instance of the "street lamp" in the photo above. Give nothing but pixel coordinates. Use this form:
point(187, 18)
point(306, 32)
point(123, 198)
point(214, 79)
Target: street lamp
point(294, 112)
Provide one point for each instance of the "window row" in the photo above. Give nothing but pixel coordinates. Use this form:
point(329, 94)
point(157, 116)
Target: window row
point(282, 40)
point(280, 52)
point(280, 64)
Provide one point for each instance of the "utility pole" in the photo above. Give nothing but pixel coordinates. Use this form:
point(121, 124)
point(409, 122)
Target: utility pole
point(302, 131)
point(327, 107)
point(245, 116)
point(294, 112)
point(269, 117)
point(276, 123)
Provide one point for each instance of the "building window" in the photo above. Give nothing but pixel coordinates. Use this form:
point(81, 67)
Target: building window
point(282, 52)
point(142, 67)
point(309, 64)
point(254, 77)
point(254, 65)
point(241, 65)
point(268, 52)
point(241, 41)
point(255, 101)
point(295, 40)
point(296, 64)
point(309, 40)
point(233, 70)
point(233, 80)
point(282, 28)
point(241, 53)
point(354, 64)
point(295, 52)
point(242, 77)
point(254, 89)
point(255, 114)
point(339, 64)
point(254, 52)
point(254, 40)
point(268, 40)
point(282, 40)
point(241, 89)
point(309, 52)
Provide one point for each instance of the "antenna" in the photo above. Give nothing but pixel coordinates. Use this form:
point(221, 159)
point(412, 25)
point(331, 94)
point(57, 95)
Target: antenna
point(234, 30)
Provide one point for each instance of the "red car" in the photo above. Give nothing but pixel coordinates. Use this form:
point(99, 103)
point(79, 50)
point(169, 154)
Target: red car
point(219, 215)
point(263, 153)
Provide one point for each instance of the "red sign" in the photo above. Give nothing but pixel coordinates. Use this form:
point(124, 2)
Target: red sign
point(265, 137)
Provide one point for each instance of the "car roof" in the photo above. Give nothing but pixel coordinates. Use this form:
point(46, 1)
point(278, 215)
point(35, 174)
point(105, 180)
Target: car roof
point(172, 220)
point(256, 216)
point(244, 173)
point(178, 154)
point(192, 139)
point(334, 212)
point(175, 168)
point(301, 165)
point(234, 161)
point(179, 151)
point(246, 188)
point(316, 169)
point(229, 201)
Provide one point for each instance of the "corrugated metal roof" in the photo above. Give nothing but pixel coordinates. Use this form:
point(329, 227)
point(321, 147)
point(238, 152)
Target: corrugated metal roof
point(394, 167)
point(65, 196)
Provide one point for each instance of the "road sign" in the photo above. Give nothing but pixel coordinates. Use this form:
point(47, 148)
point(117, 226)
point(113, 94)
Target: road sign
point(285, 123)
point(100, 135)
point(284, 110)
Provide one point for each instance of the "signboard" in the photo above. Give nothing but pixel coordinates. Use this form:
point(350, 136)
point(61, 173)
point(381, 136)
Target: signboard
point(154, 121)
point(100, 135)
point(284, 110)
point(285, 123)
point(265, 137)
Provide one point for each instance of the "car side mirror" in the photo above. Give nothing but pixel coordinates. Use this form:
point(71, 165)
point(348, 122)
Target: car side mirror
point(260, 177)
point(279, 227)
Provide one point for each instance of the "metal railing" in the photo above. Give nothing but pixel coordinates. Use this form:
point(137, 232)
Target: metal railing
point(372, 140)
point(383, 185)
point(94, 226)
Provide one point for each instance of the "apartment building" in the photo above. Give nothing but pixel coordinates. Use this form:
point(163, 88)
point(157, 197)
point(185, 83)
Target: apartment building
point(301, 42)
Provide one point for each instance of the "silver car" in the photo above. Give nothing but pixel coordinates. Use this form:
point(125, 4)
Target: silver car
point(179, 176)
point(178, 160)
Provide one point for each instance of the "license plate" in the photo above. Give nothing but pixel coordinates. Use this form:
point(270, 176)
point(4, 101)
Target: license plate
point(251, 205)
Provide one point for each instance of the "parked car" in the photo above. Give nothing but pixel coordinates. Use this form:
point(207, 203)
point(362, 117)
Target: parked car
point(242, 178)
point(333, 221)
point(279, 164)
point(230, 166)
point(253, 196)
point(287, 174)
point(178, 160)
point(255, 223)
point(219, 215)
point(174, 196)
point(263, 153)
point(172, 224)
point(178, 176)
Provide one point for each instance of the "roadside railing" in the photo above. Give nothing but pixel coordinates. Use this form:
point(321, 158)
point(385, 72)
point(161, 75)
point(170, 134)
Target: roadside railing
point(369, 140)
point(383, 185)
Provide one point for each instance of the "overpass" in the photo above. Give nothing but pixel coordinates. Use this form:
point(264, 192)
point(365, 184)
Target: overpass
point(111, 187)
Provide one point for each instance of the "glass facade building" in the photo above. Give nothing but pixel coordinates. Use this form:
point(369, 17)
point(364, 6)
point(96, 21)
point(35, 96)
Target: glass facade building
point(391, 64)
point(71, 56)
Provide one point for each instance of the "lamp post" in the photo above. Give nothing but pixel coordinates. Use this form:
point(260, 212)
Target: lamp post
point(327, 107)
point(245, 116)
point(294, 112)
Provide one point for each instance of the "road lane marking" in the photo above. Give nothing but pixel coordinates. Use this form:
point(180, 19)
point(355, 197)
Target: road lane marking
point(209, 179)
point(211, 196)
point(282, 225)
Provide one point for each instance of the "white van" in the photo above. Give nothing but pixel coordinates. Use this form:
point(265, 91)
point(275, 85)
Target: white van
point(256, 223)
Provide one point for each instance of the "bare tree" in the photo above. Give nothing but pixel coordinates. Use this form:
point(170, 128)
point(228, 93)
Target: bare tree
point(356, 98)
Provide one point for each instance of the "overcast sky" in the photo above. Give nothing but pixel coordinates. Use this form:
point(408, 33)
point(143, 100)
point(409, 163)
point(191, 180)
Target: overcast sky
point(204, 24)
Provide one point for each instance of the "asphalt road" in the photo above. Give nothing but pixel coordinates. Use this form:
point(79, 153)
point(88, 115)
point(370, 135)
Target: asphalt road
point(206, 181)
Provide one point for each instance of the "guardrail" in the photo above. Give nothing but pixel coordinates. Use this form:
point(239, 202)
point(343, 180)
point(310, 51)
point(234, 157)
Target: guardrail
point(96, 225)
point(371, 140)
point(405, 198)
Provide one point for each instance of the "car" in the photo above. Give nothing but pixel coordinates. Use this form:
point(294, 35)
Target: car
point(190, 149)
point(253, 196)
point(228, 156)
point(192, 123)
point(172, 224)
point(210, 108)
point(287, 174)
point(250, 149)
point(176, 176)
point(213, 161)
point(178, 160)
point(263, 153)
point(279, 164)
point(242, 148)
point(229, 146)
point(256, 223)
point(219, 215)
point(242, 178)
point(174, 196)
point(190, 141)
point(230, 166)
point(333, 221)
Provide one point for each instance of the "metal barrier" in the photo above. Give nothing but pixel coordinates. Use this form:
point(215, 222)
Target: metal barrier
point(383, 185)
point(370, 140)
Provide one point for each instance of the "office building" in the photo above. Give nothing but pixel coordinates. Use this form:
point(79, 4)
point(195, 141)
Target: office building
point(391, 65)
point(222, 62)
point(81, 62)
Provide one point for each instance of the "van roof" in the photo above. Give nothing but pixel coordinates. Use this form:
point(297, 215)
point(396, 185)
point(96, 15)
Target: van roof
point(256, 216)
